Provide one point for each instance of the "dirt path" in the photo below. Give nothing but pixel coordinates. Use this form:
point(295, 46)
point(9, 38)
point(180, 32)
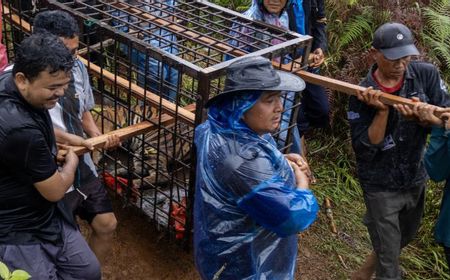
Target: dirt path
point(140, 252)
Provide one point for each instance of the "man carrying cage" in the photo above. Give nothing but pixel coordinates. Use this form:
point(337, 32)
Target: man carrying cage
point(37, 232)
point(72, 119)
point(389, 145)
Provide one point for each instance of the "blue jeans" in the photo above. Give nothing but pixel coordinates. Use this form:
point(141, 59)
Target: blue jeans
point(151, 69)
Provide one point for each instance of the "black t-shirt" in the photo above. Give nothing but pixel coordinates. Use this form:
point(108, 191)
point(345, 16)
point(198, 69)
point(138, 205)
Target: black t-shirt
point(27, 156)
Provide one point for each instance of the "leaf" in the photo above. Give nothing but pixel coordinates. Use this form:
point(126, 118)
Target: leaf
point(4, 271)
point(20, 275)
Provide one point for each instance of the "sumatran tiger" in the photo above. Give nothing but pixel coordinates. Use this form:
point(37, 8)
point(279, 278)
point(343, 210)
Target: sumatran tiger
point(159, 157)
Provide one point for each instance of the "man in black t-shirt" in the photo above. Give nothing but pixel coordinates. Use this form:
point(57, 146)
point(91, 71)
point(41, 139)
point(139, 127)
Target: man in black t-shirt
point(37, 234)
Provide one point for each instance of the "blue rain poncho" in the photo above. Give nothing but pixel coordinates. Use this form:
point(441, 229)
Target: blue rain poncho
point(247, 210)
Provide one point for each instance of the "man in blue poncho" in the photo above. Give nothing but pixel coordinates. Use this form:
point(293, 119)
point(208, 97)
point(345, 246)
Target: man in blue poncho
point(250, 202)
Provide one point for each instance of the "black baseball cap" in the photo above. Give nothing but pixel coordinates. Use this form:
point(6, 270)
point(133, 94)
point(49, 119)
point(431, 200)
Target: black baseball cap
point(256, 73)
point(394, 40)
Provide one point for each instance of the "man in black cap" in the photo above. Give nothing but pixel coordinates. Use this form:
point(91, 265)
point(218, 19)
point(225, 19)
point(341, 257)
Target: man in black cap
point(250, 201)
point(389, 145)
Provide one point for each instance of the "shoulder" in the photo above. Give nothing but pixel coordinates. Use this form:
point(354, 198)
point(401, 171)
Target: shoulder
point(423, 70)
point(80, 64)
point(13, 115)
point(422, 66)
point(80, 70)
point(244, 158)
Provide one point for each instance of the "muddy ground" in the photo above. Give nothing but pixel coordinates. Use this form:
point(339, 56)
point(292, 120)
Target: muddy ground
point(141, 252)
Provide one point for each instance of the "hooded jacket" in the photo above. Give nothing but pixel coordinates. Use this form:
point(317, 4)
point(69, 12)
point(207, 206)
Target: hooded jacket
point(248, 208)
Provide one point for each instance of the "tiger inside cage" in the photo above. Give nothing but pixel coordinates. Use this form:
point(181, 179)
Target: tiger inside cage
point(154, 64)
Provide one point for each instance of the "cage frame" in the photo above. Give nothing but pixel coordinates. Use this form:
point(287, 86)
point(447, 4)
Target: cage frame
point(203, 75)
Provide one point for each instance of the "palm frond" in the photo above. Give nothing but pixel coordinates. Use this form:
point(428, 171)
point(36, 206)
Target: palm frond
point(359, 28)
point(436, 33)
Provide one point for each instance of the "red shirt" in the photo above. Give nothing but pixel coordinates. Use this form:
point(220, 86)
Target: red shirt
point(388, 89)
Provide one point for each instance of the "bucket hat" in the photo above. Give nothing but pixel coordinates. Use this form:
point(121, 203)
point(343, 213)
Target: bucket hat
point(394, 40)
point(256, 73)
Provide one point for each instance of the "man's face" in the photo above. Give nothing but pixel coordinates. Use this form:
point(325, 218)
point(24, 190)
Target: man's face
point(265, 115)
point(43, 91)
point(391, 69)
point(72, 44)
point(274, 6)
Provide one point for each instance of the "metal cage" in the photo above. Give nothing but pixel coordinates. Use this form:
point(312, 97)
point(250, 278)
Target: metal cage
point(159, 62)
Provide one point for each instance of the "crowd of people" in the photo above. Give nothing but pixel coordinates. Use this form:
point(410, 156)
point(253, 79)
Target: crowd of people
point(251, 200)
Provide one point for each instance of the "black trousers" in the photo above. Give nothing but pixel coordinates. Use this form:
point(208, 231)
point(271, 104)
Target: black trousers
point(314, 109)
point(392, 219)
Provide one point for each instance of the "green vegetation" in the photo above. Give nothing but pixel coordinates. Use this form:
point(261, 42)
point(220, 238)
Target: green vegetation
point(436, 33)
point(18, 274)
point(350, 27)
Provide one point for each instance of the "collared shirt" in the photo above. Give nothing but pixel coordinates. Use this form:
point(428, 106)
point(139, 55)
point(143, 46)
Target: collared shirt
point(396, 163)
point(67, 115)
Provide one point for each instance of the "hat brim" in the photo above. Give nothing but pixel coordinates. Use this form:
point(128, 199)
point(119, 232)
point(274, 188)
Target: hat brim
point(399, 52)
point(289, 83)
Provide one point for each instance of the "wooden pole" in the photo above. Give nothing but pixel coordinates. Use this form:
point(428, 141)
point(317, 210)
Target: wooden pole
point(171, 109)
point(154, 99)
point(130, 131)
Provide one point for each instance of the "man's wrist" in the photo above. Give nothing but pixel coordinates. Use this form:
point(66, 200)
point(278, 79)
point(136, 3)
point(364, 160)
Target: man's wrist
point(382, 111)
point(94, 134)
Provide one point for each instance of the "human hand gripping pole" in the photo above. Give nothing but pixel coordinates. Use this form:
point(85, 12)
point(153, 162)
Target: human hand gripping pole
point(348, 88)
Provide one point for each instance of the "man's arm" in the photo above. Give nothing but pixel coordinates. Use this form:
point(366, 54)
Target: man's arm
point(65, 138)
point(318, 27)
point(89, 125)
point(71, 139)
point(27, 151)
point(278, 204)
point(362, 119)
point(54, 188)
point(377, 128)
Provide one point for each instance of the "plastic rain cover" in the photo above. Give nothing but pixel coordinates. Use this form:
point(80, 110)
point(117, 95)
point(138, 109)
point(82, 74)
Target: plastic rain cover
point(247, 208)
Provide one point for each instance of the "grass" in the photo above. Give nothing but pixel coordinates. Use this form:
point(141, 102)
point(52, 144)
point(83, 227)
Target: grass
point(333, 166)
point(332, 160)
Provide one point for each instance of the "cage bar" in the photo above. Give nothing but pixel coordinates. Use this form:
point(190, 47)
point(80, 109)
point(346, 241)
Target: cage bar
point(159, 62)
